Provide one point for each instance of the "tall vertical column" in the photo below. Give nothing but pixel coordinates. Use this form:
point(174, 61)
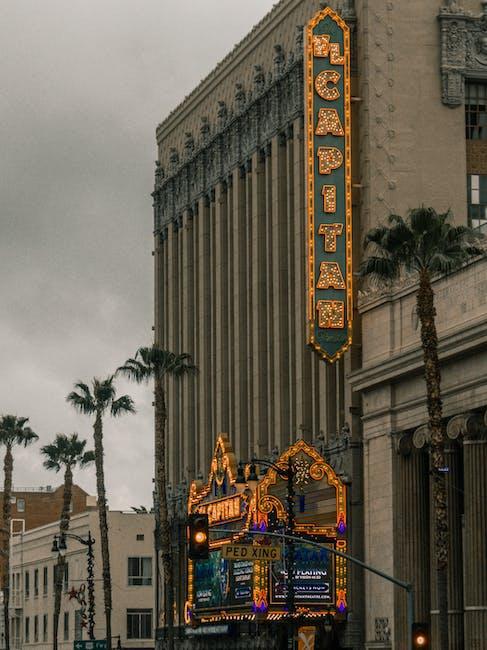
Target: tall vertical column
point(187, 346)
point(172, 388)
point(213, 312)
point(239, 297)
point(259, 315)
point(232, 286)
point(270, 298)
point(220, 261)
point(299, 247)
point(454, 484)
point(251, 360)
point(411, 530)
point(203, 355)
point(280, 281)
point(475, 535)
point(292, 425)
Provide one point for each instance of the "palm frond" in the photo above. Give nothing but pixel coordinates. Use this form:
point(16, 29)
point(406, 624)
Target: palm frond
point(83, 400)
point(87, 458)
point(379, 269)
point(136, 370)
point(123, 404)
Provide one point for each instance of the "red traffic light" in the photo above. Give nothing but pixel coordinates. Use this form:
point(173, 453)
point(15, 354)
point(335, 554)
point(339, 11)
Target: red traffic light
point(199, 538)
point(421, 636)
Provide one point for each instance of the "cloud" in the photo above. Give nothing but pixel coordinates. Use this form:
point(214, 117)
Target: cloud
point(87, 83)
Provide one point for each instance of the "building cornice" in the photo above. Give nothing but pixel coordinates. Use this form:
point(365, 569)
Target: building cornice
point(406, 364)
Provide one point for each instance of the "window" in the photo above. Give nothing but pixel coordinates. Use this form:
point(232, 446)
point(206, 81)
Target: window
point(44, 628)
point(36, 583)
point(139, 623)
point(27, 630)
point(140, 537)
point(45, 581)
point(36, 629)
point(66, 577)
point(139, 571)
point(27, 584)
point(66, 626)
point(78, 625)
point(476, 135)
point(20, 505)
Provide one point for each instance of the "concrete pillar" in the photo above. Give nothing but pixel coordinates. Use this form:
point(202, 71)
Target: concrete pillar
point(220, 262)
point(453, 455)
point(475, 536)
point(270, 298)
point(303, 354)
point(259, 280)
point(411, 529)
point(203, 333)
point(280, 283)
point(239, 297)
point(187, 345)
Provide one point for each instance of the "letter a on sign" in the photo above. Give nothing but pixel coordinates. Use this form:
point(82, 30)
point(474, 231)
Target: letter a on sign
point(329, 182)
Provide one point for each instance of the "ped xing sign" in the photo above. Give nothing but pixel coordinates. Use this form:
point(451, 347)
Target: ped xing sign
point(248, 552)
point(328, 180)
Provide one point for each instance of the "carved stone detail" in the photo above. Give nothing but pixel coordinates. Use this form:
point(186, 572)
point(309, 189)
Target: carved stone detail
point(421, 437)
point(470, 425)
point(463, 50)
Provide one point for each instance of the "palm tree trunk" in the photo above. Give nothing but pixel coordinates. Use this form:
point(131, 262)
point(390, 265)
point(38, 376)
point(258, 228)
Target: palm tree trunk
point(8, 465)
point(102, 515)
point(429, 341)
point(59, 568)
point(162, 511)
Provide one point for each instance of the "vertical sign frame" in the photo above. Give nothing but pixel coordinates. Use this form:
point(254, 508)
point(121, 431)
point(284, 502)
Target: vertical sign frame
point(329, 185)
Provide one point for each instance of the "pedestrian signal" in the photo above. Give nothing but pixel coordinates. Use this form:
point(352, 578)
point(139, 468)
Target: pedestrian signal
point(199, 538)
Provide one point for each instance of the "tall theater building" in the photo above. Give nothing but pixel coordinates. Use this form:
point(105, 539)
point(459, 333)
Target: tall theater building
point(268, 176)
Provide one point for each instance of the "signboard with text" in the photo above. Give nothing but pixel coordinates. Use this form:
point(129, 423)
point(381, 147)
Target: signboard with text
point(329, 185)
point(219, 583)
point(313, 577)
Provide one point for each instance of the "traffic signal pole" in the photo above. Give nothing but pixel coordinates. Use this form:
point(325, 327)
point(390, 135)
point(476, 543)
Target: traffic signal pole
point(400, 583)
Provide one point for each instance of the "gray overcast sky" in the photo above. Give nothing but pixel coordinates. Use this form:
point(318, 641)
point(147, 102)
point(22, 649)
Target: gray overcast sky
point(84, 84)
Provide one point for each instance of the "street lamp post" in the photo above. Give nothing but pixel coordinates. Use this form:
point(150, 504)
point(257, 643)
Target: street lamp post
point(59, 546)
point(288, 474)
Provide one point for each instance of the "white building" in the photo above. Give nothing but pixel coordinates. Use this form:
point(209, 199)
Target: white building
point(133, 583)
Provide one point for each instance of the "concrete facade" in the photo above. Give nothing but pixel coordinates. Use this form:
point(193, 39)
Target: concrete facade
point(131, 535)
point(230, 260)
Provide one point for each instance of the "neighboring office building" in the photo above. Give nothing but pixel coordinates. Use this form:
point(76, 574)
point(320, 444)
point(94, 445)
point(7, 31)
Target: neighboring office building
point(37, 506)
point(132, 569)
point(230, 270)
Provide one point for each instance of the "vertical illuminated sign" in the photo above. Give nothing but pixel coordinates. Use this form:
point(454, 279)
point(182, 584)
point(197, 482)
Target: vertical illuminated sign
point(329, 185)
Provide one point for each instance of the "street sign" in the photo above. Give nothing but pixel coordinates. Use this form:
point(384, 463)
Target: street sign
point(89, 644)
point(248, 552)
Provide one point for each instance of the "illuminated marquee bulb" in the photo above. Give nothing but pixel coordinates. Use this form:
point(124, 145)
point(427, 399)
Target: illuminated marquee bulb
point(329, 193)
point(322, 80)
point(323, 48)
point(331, 314)
point(329, 122)
point(330, 232)
point(330, 276)
point(329, 158)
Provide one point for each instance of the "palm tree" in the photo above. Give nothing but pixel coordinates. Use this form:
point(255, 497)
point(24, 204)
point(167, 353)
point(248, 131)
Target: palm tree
point(157, 364)
point(97, 401)
point(425, 244)
point(67, 452)
point(13, 431)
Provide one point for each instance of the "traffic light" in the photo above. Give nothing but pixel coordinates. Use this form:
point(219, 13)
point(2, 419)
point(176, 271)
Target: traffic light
point(421, 636)
point(199, 539)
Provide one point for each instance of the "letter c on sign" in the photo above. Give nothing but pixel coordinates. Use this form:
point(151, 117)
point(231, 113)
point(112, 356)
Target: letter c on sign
point(322, 80)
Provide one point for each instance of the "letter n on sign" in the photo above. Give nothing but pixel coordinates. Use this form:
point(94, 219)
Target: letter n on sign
point(329, 182)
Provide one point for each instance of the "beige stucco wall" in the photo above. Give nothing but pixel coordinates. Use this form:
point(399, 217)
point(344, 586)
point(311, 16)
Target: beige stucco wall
point(33, 550)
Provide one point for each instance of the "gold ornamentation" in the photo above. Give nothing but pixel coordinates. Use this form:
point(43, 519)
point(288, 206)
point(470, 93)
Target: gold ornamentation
point(329, 158)
point(331, 314)
point(330, 276)
point(322, 80)
point(329, 122)
point(330, 232)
